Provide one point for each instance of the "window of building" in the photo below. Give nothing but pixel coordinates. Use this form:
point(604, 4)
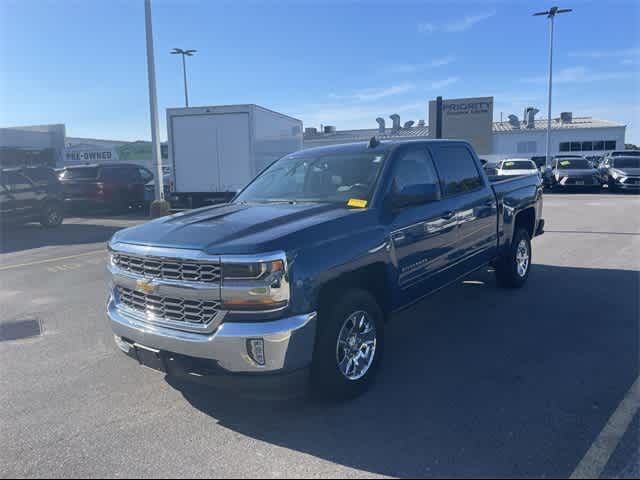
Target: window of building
point(587, 146)
point(527, 147)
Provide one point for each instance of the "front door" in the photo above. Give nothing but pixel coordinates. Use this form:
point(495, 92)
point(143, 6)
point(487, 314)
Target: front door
point(423, 237)
point(23, 194)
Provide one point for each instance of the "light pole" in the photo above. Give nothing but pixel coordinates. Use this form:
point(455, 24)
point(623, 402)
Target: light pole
point(184, 53)
point(551, 15)
point(160, 206)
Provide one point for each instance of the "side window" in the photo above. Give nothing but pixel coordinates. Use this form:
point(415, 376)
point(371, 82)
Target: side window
point(146, 175)
point(17, 181)
point(131, 175)
point(109, 175)
point(457, 169)
point(413, 167)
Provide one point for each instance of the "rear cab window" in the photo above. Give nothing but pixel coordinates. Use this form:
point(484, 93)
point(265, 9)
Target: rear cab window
point(80, 173)
point(518, 165)
point(457, 169)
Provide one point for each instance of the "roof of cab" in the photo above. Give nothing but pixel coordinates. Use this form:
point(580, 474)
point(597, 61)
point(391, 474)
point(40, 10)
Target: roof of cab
point(382, 147)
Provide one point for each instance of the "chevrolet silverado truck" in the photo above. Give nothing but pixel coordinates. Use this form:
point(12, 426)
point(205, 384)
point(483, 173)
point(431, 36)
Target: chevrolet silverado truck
point(296, 277)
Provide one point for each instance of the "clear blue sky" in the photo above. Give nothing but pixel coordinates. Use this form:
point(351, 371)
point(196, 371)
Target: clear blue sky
point(82, 62)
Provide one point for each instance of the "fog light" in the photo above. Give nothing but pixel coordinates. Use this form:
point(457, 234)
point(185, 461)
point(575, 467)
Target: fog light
point(255, 349)
point(122, 345)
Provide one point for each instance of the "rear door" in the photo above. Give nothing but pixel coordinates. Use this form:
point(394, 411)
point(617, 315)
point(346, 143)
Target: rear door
point(423, 236)
point(475, 204)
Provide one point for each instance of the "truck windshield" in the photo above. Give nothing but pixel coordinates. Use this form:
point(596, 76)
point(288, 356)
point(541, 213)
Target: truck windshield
point(573, 164)
point(627, 162)
point(317, 177)
point(518, 165)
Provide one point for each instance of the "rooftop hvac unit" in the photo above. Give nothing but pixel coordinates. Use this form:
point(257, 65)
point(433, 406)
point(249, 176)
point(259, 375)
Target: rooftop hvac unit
point(566, 117)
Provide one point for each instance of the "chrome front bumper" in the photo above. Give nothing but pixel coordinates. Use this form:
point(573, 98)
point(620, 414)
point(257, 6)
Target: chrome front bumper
point(288, 342)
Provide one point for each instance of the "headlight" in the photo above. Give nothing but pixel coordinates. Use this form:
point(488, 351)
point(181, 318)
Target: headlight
point(254, 286)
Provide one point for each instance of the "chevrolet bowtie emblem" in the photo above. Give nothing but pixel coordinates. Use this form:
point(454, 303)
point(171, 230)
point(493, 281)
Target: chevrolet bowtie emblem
point(145, 286)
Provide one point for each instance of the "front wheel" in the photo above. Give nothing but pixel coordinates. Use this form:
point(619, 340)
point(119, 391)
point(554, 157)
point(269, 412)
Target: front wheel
point(512, 270)
point(349, 345)
point(52, 215)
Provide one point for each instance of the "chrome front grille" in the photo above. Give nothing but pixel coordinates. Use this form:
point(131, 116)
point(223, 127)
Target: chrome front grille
point(180, 310)
point(168, 268)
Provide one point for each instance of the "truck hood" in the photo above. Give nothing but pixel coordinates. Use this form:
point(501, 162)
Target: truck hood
point(244, 228)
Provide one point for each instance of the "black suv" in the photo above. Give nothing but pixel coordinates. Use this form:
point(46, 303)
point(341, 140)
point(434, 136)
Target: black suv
point(29, 195)
point(113, 186)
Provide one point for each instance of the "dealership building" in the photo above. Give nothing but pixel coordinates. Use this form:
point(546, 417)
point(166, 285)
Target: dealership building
point(471, 119)
point(49, 145)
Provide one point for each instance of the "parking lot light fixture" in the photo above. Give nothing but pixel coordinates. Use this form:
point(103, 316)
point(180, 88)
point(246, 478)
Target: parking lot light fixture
point(184, 53)
point(551, 15)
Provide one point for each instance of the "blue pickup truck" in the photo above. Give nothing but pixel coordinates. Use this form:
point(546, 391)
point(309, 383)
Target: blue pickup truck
point(297, 276)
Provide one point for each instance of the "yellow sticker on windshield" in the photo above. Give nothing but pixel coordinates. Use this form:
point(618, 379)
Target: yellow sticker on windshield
point(565, 163)
point(356, 202)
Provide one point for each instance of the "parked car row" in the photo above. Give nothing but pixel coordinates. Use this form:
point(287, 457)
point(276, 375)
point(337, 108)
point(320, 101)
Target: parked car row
point(44, 194)
point(618, 170)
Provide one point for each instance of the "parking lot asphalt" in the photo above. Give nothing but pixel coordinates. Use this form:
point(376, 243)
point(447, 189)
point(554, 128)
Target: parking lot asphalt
point(477, 381)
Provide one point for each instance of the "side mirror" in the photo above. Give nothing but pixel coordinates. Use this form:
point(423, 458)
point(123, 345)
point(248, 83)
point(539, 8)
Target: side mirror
point(416, 195)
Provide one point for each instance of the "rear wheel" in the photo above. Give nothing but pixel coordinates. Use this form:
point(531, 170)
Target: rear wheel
point(512, 270)
point(349, 346)
point(52, 215)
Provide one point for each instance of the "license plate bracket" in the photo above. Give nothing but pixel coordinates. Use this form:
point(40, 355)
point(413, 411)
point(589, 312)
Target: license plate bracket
point(150, 358)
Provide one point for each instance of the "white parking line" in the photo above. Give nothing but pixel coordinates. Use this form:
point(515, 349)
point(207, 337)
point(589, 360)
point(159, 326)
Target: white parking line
point(600, 452)
point(51, 260)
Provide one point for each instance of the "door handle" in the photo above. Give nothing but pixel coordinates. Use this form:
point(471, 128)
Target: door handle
point(448, 215)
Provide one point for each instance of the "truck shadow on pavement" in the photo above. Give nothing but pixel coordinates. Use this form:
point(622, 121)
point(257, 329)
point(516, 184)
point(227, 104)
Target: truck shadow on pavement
point(477, 382)
point(31, 236)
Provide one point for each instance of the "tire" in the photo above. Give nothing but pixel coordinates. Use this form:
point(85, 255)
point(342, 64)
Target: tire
point(612, 186)
point(512, 271)
point(331, 355)
point(52, 215)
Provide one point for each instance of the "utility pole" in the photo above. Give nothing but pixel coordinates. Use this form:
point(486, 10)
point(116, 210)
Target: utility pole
point(551, 15)
point(160, 206)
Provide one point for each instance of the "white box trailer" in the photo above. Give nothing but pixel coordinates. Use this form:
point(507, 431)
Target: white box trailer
point(216, 151)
